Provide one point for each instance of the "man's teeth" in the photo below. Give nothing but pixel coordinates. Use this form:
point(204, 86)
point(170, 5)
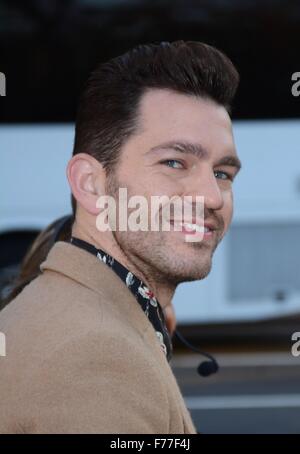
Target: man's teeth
point(195, 227)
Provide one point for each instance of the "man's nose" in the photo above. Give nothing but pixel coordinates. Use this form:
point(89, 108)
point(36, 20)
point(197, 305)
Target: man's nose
point(205, 184)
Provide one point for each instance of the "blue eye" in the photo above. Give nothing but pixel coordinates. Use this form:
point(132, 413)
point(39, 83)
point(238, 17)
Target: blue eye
point(169, 162)
point(224, 175)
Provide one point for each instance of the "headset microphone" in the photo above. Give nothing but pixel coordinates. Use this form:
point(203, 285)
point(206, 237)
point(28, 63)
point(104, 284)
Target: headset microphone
point(205, 368)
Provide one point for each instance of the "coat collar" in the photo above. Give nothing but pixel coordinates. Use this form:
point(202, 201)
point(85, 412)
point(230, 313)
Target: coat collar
point(142, 293)
point(89, 271)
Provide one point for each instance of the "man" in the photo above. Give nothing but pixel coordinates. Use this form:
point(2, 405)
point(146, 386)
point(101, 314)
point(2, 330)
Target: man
point(81, 354)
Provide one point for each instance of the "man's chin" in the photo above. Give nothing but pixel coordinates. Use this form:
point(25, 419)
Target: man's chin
point(186, 273)
point(198, 275)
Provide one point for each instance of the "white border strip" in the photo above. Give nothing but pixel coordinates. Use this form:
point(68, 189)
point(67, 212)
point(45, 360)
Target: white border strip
point(242, 401)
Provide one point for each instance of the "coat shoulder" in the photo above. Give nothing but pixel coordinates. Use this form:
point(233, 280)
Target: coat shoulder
point(73, 365)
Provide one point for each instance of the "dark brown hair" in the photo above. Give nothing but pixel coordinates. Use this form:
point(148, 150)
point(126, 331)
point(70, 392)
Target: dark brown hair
point(108, 107)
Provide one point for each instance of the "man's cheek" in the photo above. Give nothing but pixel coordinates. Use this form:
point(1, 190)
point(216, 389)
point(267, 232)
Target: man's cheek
point(227, 210)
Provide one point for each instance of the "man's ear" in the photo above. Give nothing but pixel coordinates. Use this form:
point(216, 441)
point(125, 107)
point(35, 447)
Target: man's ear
point(86, 178)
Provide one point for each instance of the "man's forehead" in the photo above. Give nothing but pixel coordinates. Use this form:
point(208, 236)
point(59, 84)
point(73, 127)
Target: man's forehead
point(163, 108)
point(167, 117)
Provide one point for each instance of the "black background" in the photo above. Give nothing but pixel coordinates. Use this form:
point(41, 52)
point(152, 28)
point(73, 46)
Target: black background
point(48, 48)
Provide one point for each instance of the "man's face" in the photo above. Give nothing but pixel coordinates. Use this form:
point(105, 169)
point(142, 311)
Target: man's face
point(154, 161)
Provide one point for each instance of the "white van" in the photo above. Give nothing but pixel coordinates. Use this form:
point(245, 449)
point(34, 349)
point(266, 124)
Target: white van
point(256, 270)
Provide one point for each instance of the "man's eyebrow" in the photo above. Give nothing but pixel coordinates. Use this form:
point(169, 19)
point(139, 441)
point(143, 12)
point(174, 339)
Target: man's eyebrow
point(182, 146)
point(197, 150)
point(232, 161)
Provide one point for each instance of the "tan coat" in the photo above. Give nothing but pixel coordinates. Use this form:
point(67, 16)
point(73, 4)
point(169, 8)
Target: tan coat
point(82, 357)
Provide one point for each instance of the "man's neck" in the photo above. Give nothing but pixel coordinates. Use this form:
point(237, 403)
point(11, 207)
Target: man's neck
point(162, 292)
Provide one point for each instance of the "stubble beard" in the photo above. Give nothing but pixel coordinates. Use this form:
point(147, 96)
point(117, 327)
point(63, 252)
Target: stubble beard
point(155, 255)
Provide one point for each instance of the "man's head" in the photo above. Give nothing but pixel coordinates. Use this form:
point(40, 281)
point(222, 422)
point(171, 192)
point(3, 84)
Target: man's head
point(156, 121)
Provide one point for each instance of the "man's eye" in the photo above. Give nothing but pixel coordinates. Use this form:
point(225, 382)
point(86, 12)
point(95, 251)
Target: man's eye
point(223, 175)
point(173, 163)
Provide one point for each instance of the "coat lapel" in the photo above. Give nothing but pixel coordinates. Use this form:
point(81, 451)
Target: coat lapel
point(91, 272)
